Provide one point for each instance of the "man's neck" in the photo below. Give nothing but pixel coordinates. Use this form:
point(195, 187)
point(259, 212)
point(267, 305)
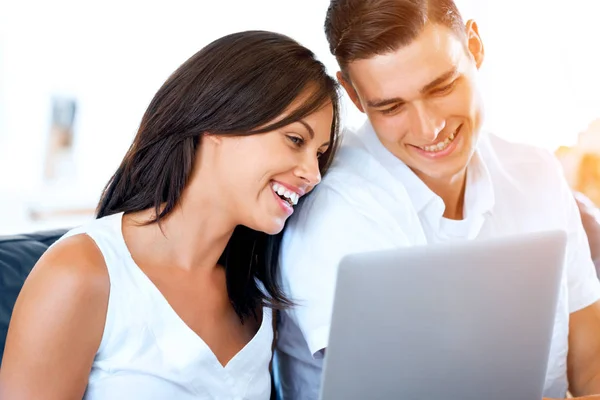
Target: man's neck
point(452, 193)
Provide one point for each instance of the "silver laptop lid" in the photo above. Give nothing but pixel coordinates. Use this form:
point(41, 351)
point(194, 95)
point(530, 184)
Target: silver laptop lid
point(467, 320)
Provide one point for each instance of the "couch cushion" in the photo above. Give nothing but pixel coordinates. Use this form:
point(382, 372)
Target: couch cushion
point(18, 255)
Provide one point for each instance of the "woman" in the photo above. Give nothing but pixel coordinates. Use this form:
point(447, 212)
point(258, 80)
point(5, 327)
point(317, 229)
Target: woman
point(168, 293)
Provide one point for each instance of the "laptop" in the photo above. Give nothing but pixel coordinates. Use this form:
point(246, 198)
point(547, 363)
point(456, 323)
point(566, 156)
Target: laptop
point(468, 320)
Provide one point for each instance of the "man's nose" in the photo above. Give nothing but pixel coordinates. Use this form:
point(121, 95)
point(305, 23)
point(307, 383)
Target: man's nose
point(425, 122)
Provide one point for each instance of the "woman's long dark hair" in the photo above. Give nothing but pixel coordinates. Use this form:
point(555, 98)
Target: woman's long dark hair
point(237, 85)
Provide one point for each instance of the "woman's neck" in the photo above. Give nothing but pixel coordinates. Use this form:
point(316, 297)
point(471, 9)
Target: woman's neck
point(193, 235)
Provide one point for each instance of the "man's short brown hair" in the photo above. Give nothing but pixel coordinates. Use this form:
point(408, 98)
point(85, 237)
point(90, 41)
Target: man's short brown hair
point(360, 29)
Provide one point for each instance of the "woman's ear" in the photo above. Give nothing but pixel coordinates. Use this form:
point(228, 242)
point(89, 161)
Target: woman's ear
point(215, 139)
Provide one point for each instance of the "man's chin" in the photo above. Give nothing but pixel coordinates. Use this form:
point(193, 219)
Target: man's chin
point(442, 172)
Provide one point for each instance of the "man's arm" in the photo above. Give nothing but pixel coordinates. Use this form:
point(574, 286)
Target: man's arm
point(327, 228)
point(583, 362)
point(583, 359)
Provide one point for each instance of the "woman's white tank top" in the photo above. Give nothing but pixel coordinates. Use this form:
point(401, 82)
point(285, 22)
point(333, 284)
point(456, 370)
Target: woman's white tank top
point(147, 351)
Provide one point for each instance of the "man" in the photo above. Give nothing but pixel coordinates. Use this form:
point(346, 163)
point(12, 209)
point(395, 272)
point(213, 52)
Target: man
point(419, 172)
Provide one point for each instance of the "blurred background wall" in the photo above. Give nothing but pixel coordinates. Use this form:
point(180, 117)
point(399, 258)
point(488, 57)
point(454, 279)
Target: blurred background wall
point(76, 77)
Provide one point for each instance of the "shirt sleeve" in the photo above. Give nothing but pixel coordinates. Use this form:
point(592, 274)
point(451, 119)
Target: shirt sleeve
point(583, 284)
point(326, 228)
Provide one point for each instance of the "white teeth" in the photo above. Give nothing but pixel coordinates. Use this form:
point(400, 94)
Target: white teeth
point(293, 197)
point(439, 146)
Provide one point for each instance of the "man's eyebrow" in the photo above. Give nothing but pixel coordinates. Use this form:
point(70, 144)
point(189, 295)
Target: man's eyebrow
point(377, 103)
point(384, 102)
point(440, 79)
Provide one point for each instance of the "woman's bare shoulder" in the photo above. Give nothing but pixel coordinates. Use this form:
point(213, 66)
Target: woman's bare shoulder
point(57, 322)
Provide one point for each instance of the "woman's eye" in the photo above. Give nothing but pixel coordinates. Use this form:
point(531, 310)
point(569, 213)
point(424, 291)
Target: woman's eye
point(296, 140)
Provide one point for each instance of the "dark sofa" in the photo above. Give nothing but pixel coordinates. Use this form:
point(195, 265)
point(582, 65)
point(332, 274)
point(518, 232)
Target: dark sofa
point(18, 255)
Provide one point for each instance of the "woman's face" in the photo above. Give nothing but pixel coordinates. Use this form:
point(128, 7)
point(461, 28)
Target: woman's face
point(262, 176)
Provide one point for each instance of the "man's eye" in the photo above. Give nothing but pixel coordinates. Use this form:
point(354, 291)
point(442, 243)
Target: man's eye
point(445, 89)
point(392, 109)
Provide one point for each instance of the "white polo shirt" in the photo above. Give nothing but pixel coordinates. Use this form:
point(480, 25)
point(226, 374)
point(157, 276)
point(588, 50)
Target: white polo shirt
point(370, 200)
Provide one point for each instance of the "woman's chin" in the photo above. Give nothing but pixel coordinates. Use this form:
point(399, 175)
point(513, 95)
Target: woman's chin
point(273, 229)
point(268, 224)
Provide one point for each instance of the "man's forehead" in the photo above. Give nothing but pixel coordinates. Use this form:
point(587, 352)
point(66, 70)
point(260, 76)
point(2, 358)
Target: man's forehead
point(411, 67)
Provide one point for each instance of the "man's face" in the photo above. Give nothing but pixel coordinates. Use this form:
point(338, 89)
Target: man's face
point(423, 100)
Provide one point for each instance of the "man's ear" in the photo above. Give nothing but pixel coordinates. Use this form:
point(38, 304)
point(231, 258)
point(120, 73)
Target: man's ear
point(474, 42)
point(350, 90)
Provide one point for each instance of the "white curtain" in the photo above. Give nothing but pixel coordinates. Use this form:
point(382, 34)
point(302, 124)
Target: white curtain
point(540, 78)
point(542, 70)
